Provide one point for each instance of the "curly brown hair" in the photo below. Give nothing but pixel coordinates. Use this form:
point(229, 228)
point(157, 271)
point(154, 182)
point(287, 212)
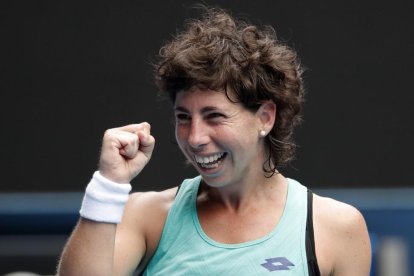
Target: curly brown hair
point(219, 52)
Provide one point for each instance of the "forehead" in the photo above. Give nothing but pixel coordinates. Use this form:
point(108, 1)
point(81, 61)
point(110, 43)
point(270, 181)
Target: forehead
point(196, 97)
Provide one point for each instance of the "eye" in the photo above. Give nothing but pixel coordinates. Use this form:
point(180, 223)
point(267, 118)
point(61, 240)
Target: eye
point(182, 117)
point(215, 115)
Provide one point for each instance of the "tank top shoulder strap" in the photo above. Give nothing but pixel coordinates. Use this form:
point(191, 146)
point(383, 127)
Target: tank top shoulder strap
point(313, 267)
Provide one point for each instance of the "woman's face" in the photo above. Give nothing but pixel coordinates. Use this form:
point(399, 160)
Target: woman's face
point(220, 138)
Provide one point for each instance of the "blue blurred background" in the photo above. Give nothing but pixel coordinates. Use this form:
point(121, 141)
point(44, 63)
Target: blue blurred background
point(68, 66)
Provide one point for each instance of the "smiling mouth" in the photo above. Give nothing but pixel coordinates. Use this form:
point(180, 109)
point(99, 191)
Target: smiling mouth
point(210, 162)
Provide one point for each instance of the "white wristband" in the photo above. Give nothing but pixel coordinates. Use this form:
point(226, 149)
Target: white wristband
point(104, 200)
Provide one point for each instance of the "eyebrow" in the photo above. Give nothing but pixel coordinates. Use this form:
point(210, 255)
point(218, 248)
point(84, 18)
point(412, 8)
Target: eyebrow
point(203, 110)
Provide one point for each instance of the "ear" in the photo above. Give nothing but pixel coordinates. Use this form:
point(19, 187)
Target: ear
point(267, 115)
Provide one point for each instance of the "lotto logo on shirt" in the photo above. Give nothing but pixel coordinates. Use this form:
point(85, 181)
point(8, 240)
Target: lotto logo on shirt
point(278, 263)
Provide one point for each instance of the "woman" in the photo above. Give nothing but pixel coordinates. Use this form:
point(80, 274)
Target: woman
point(237, 95)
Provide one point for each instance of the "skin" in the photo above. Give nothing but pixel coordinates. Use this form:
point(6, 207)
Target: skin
point(236, 202)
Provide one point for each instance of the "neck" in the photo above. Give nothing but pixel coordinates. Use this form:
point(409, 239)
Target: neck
point(237, 197)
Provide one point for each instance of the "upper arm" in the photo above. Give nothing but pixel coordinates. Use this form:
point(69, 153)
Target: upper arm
point(138, 234)
point(354, 249)
point(130, 244)
point(341, 239)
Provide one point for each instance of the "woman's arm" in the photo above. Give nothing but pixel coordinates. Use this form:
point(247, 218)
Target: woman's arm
point(353, 249)
point(341, 239)
point(91, 248)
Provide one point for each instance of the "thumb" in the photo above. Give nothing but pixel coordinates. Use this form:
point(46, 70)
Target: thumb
point(146, 143)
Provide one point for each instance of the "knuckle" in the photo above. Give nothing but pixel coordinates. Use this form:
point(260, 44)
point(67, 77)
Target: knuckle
point(108, 133)
point(110, 130)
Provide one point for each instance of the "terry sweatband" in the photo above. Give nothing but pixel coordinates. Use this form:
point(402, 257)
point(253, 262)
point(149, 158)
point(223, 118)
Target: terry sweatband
point(104, 200)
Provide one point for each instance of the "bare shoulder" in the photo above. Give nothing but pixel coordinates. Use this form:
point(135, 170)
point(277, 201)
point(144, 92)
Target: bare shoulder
point(341, 238)
point(148, 211)
point(161, 201)
point(337, 214)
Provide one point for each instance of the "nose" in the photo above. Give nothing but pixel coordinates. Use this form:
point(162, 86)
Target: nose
point(198, 134)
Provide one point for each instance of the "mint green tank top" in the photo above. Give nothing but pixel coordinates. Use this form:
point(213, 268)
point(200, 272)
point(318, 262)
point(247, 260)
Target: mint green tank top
point(184, 248)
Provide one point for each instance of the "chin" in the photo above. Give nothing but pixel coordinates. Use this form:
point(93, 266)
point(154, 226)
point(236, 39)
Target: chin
point(218, 181)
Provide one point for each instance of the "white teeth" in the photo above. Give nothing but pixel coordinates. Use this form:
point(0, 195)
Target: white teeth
point(210, 166)
point(209, 159)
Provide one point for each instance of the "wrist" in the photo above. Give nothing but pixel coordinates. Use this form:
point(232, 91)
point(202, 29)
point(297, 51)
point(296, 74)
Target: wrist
point(104, 200)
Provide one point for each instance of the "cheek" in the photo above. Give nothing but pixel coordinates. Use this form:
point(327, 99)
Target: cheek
point(180, 134)
point(246, 140)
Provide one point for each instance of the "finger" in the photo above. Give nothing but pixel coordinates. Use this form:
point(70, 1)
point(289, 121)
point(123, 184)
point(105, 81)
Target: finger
point(127, 143)
point(129, 151)
point(134, 128)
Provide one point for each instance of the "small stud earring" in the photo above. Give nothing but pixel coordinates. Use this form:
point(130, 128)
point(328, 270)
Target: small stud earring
point(262, 133)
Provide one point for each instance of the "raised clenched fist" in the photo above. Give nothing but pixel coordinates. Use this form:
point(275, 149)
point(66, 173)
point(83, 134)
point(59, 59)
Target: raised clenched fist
point(125, 152)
